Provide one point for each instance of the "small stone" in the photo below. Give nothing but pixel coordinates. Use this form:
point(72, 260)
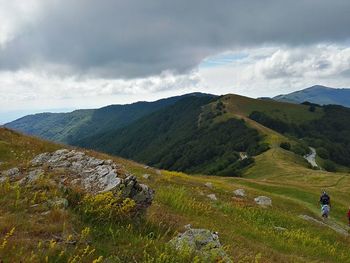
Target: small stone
point(209, 185)
point(239, 192)
point(280, 229)
point(263, 201)
point(46, 213)
point(202, 242)
point(146, 176)
point(3, 179)
point(212, 197)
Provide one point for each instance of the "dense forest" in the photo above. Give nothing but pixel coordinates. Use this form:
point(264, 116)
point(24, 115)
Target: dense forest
point(330, 134)
point(173, 139)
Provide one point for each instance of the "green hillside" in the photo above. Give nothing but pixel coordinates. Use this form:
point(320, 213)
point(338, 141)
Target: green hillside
point(181, 138)
point(249, 233)
point(76, 125)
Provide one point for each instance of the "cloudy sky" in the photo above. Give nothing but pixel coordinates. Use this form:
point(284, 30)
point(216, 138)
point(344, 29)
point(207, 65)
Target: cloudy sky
point(58, 55)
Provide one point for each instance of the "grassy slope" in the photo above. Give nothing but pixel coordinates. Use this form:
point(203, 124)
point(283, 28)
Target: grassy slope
point(247, 230)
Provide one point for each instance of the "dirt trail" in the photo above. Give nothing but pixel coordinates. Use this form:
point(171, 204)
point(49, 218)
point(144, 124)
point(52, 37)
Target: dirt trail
point(327, 223)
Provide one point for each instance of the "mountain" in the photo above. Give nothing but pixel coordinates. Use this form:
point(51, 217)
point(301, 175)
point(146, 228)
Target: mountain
point(76, 125)
point(291, 230)
point(204, 134)
point(318, 94)
point(184, 137)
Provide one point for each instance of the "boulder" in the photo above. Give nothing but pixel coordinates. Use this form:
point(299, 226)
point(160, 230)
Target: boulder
point(212, 197)
point(12, 174)
point(263, 201)
point(202, 242)
point(239, 192)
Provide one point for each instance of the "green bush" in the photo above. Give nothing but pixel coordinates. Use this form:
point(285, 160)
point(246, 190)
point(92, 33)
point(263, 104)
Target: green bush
point(285, 145)
point(329, 166)
point(322, 152)
point(300, 149)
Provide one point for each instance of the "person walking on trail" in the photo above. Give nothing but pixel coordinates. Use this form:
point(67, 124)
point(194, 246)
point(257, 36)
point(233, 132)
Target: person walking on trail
point(349, 215)
point(325, 202)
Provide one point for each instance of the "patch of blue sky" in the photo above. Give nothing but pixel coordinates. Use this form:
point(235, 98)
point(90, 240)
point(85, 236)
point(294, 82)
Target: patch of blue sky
point(223, 59)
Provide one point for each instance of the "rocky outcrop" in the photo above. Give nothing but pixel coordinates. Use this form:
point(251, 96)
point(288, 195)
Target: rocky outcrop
point(202, 242)
point(76, 169)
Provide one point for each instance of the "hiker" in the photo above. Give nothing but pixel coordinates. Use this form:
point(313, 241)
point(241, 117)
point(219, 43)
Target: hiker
point(325, 202)
point(349, 215)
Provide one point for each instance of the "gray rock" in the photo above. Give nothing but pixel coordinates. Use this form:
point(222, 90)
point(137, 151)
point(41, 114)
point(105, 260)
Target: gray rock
point(212, 197)
point(209, 185)
point(92, 174)
point(263, 201)
point(280, 229)
point(40, 159)
point(3, 179)
point(32, 176)
point(239, 192)
point(12, 172)
point(202, 242)
point(146, 176)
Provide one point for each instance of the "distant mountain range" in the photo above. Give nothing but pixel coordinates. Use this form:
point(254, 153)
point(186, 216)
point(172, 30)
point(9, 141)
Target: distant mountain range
point(318, 94)
point(201, 133)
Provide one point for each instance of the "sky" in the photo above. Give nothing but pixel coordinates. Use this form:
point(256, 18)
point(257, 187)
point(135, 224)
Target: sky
point(60, 55)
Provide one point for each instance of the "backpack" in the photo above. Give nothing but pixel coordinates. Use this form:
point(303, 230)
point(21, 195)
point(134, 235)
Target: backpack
point(325, 199)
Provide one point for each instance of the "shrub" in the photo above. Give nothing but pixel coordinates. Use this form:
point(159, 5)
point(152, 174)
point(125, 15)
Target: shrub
point(285, 145)
point(107, 206)
point(329, 166)
point(300, 149)
point(322, 152)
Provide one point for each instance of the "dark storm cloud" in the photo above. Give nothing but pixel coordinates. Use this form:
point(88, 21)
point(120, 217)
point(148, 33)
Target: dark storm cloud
point(138, 38)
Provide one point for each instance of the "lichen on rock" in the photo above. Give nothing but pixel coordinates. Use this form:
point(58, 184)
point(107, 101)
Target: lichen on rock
point(202, 242)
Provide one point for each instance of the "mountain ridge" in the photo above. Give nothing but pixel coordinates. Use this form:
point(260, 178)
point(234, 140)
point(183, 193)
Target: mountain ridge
point(318, 94)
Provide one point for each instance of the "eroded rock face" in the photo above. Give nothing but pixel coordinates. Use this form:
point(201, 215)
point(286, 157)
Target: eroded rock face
point(75, 168)
point(202, 242)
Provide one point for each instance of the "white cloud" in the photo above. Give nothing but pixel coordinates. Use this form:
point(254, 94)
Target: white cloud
point(269, 71)
point(40, 90)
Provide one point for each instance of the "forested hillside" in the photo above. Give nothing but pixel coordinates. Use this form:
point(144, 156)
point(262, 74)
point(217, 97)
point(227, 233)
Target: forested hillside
point(330, 134)
point(76, 125)
point(175, 139)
